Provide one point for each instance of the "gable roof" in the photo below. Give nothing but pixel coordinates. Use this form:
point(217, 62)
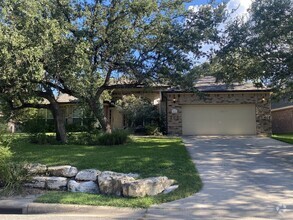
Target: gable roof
point(63, 98)
point(209, 84)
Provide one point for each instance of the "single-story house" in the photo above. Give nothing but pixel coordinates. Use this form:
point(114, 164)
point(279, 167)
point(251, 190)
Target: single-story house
point(241, 109)
point(282, 117)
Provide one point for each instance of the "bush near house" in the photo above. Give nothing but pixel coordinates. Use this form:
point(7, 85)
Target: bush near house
point(96, 137)
point(117, 137)
point(140, 115)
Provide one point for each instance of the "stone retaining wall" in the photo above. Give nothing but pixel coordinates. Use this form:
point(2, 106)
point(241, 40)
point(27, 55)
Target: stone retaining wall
point(94, 181)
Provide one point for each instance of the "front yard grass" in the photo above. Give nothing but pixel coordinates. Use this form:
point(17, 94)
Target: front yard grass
point(288, 138)
point(147, 156)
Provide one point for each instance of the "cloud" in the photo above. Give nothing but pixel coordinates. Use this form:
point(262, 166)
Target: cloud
point(194, 8)
point(238, 7)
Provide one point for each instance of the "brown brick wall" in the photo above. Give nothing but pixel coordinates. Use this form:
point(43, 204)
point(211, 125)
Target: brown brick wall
point(261, 101)
point(282, 120)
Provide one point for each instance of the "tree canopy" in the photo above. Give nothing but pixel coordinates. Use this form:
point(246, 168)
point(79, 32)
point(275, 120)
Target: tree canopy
point(260, 47)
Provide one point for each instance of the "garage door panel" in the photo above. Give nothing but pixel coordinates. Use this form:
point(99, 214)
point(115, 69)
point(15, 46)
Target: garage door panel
point(218, 119)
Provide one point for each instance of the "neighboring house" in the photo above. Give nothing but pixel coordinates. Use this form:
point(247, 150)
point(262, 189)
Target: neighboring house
point(282, 117)
point(220, 110)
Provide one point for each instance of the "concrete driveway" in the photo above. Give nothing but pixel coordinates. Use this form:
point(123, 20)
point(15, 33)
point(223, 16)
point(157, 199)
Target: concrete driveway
point(243, 177)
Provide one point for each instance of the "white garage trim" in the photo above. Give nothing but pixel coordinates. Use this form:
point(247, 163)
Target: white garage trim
point(218, 119)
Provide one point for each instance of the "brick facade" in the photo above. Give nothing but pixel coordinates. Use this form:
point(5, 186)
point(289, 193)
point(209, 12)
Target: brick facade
point(261, 100)
point(282, 120)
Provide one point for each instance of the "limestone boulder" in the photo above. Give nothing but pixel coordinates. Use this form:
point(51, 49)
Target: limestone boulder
point(57, 183)
point(87, 175)
point(110, 183)
point(170, 189)
point(146, 187)
point(111, 173)
point(36, 168)
point(63, 171)
point(37, 182)
point(48, 182)
point(85, 187)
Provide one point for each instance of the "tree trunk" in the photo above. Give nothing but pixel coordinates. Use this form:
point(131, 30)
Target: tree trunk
point(98, 112)
point(59, 121)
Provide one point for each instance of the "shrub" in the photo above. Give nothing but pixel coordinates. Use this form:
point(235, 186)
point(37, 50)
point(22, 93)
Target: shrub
point(6, 138)
point(117, 137)
point(138, 111)
point(12, 175)
point(152, 130)
point(97, 138)
point(38, 125)
point(84, 138)
point(5, 156)
point(42, 138)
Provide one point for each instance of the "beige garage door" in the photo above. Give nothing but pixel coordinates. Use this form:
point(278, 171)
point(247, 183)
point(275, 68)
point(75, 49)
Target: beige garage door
point(218, 120)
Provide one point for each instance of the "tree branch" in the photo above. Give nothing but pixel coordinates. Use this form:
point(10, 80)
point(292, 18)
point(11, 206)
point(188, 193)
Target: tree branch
point(26, 105)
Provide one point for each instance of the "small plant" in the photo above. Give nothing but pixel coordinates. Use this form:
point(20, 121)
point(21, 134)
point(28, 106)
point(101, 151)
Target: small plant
point(117, 137)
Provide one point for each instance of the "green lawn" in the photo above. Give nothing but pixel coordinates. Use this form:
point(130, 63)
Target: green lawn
point(146, 156)
point(288, 138)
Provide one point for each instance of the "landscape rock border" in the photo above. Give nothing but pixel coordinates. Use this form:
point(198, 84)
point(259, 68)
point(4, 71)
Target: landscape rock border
point(68, 178)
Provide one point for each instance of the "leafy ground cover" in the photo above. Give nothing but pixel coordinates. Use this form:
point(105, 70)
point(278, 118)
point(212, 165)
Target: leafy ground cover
point(288, 138)
point(148, 156)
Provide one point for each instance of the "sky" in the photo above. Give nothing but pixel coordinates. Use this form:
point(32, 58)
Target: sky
point(240, 5)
